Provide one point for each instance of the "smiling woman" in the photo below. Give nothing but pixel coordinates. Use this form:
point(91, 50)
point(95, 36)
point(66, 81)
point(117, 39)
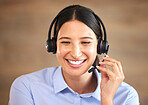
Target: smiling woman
point(77, 41)
point(76, 47)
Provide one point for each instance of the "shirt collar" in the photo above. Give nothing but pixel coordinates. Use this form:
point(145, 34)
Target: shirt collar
point(60, 84)
point(58, 81)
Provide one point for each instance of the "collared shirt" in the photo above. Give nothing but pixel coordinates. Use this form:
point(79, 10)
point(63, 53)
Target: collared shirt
point(48, 87)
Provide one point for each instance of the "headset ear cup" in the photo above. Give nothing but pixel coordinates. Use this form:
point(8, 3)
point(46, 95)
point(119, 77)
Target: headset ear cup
point(102, 47)
point(105, 47)
point(99, 46)
point(51, 45)
point(54, 45)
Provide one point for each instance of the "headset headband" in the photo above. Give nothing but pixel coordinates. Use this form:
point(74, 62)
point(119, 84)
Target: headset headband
point(102, 44)
point(104, 30)
point(97, 17)
point(49, 33)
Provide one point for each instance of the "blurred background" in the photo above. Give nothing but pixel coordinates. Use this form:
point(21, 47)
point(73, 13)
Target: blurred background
point(24, 26)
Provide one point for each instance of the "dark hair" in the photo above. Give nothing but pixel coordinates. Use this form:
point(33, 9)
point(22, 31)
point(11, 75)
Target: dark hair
point(80, 13)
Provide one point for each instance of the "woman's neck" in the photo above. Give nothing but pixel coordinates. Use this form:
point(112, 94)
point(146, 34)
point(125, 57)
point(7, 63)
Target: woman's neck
point(85, 83)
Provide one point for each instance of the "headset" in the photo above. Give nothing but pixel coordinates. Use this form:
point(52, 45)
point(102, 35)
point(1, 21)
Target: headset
point(102, 46)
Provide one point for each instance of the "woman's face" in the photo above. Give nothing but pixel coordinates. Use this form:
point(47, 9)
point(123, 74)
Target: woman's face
point(76, 48)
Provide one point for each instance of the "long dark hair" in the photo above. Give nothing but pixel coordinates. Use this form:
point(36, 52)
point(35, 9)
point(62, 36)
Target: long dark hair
point(80, 13)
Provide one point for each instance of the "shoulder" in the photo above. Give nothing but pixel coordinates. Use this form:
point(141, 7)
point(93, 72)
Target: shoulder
point(127, 94)
point(125, 87)
point(41, 76)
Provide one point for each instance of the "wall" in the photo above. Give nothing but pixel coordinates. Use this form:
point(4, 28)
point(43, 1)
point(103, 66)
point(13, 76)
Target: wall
point(24, 27)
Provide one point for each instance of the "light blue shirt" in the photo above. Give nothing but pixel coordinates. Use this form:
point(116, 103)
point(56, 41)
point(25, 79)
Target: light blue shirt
point(47, 87)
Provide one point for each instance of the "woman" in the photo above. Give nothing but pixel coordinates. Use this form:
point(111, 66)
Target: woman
point(77, 33)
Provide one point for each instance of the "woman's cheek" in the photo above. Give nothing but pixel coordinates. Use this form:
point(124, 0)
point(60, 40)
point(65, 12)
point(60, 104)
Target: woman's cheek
point(91, 50)
point(61, 50)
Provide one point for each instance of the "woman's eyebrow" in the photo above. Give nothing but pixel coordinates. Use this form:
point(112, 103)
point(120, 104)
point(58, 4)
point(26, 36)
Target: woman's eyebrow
point(80, 38)
point(86, 38)
point(64, 38)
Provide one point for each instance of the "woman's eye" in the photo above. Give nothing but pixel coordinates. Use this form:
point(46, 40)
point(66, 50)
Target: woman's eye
point(65, 42)
point(86, 42)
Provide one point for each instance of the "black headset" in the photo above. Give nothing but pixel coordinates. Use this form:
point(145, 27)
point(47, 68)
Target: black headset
point(102, 46)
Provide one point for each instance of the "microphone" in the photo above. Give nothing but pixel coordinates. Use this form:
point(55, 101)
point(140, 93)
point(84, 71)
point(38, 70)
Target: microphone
point(94, 67)
point(91, 69)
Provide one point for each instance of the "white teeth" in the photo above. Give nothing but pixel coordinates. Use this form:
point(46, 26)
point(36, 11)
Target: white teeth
point(75, 62)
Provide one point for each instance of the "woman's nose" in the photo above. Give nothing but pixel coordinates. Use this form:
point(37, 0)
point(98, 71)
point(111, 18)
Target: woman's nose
point(76, 51)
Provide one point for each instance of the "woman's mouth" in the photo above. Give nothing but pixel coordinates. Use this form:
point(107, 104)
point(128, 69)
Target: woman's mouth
point(75, 63)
